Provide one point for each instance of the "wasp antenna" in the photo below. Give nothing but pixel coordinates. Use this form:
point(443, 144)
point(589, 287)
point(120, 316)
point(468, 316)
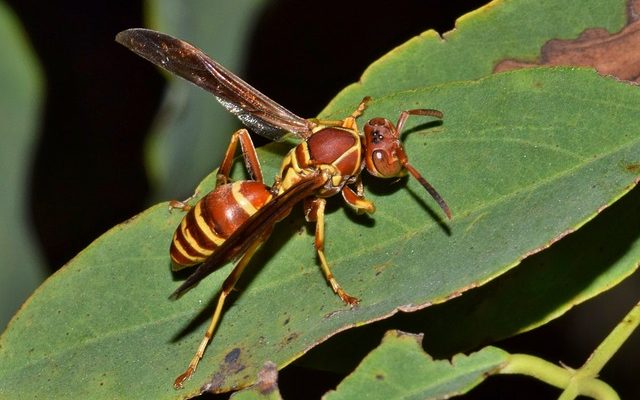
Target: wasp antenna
point(426, 112)
point(432, 191)
point(429, 112)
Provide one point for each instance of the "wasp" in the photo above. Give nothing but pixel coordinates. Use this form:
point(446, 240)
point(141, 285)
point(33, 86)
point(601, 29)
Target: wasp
point(232, 221)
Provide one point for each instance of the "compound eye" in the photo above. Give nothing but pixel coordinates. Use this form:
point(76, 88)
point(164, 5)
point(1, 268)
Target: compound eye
point(385, 165)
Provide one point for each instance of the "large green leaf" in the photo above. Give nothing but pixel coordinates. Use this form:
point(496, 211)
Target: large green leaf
point(588, 262)
point(502, 29)
point(544, 286)
point(21, 268)
point(522, 158)
point(550, 283)
point(400, 369)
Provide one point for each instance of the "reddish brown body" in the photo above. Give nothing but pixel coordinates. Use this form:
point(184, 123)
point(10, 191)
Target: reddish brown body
point(222, 211)
point(338, 147)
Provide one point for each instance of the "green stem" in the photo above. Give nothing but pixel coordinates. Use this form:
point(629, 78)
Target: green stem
point(559, 377)
point(538, 368)
point(582, 381)
point(611, 344)
point(601, 355)
point(594, 388)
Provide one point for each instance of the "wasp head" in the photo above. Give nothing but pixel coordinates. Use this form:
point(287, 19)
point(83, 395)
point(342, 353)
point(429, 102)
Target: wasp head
point(385, 156)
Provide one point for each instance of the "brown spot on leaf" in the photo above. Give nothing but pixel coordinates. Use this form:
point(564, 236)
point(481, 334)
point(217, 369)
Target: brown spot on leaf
point(232, 356)
point(230, 366)
point(380, 377)
point(292, 337)
point(268, 378)
point(634, 168)
point(615, 54)
point(217, 380)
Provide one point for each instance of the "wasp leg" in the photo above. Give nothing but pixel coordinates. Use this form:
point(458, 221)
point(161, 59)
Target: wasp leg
point(249, 154)
point(227, 287)
point(251, 162)
point(350, 121)
point(314, 211)
point(183, 204)
point(356, 200)
point(358, 203)
point(361, 107)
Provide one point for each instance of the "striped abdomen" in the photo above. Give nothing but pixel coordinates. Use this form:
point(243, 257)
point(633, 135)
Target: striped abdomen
point(214, 218)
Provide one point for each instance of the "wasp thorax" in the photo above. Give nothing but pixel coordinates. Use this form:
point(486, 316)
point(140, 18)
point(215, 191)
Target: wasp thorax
point(383, 150)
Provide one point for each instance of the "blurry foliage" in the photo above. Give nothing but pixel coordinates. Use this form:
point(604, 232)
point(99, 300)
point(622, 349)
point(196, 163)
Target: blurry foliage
point(21, 83)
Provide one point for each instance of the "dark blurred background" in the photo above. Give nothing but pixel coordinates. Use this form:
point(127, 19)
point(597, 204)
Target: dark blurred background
point(89, 172)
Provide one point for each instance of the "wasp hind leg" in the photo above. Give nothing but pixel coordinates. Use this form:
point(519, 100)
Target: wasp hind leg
point(227, 287)
point(183, 205)
point(314, 211)
point(251, 161)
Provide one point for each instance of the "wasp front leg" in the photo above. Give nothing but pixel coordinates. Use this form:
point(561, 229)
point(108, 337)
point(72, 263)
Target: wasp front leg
point(314, 211)
point(356, 200)
point(350, 121)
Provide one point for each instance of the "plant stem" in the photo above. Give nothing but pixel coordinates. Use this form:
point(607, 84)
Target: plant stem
point(559, 377)
point(538, 368)
point(611, 343)
point(601, 355)
point(582, 381)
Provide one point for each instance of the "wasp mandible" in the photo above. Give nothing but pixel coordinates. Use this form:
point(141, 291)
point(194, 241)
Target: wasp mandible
point(235, 218)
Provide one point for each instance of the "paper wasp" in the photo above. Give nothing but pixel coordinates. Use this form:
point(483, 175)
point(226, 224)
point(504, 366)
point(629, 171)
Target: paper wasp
point(232, 221)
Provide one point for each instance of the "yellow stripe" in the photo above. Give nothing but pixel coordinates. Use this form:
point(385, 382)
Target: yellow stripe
point(241, 200)
point(346, 154)
point(184, 253)
point(204, 226)
point(186, 233)
point(293, 159)
point(307, 155)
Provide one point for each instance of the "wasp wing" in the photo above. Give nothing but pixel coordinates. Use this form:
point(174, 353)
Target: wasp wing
point(255, 229)
point(257, 111)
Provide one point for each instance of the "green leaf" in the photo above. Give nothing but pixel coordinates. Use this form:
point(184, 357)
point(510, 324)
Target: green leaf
point(184, 145)
point(20, 100)
point(586, 263)
point(522, 158)
point(502, 29)
point(400, 369)
point(545, 286)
